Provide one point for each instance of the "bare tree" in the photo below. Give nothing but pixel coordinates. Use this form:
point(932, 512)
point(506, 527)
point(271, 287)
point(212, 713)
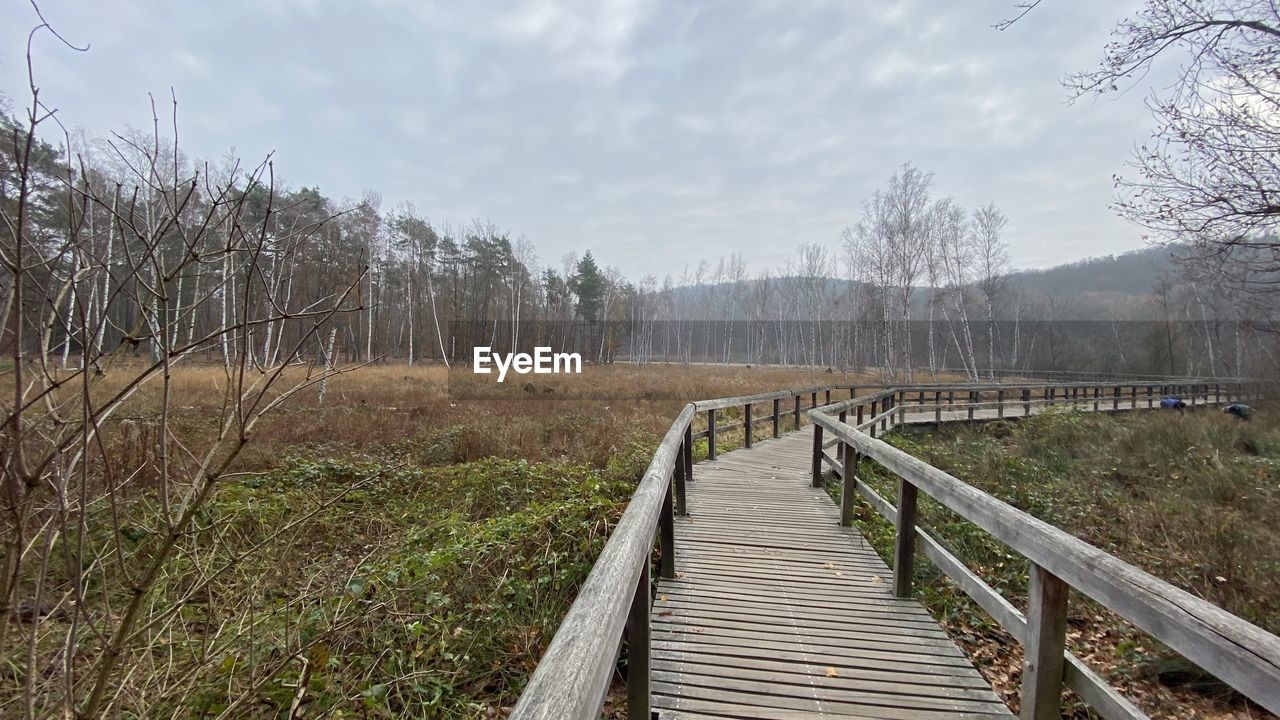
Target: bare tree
point(1210, 176)
point(103, 549)
point(991, 256)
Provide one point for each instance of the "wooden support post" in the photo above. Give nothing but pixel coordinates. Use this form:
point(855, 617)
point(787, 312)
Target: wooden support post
point(900, 402)
point(678, 478)
point(1133, 397)
point(667, 534)
point(850, 485)
point(1026, 402)
point(1217, 393)
point(1115, 398)
point(1046, 639)
point(844, 416)
point(817, 455)
point(638, 649)
point(797, 427)
point(874, 422)
point(1000, 403)
point(688, 452)
point(858, 418)
point(777, 417)
point(937, 408)
point(828, 402)
point(1150, 397)
point(853, 392)
point(973, 400)
point(1097, 393)
point(813, 399)
point(886, 409)
point(746, 425)
point(711, 434)
point(904, 545)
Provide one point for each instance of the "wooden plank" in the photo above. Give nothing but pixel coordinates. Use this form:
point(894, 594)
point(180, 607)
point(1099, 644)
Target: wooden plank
point(772, 591)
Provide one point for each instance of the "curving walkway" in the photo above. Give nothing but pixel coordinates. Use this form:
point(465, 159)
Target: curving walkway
point(779, 612)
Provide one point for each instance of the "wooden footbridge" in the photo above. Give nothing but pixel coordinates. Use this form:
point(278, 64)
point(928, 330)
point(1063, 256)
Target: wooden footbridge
point(769, 604)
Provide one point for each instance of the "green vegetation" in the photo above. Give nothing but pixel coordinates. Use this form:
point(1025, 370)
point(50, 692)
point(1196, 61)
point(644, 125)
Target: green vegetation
point(1190, 498)
point(415, 588)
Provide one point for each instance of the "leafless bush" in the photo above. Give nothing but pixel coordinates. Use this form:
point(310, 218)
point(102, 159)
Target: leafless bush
point(112, 552)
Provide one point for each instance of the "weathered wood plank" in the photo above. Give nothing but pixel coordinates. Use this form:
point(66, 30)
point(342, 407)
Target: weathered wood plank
point(772, 591)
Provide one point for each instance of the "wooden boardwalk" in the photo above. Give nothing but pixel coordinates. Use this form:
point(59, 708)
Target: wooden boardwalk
point(778, 612)
point(767, 608)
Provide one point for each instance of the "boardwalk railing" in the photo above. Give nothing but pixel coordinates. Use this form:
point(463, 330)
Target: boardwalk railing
point(574, 674)
point(1237, 652)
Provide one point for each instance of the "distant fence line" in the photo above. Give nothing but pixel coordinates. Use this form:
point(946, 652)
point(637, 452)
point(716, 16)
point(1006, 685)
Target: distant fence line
point(1093, 348)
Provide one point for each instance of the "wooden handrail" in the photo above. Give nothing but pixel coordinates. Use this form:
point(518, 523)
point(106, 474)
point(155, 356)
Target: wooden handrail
point(573, 676)
point(1234, 650)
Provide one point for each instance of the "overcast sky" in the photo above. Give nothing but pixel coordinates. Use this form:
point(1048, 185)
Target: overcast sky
point(653, 133)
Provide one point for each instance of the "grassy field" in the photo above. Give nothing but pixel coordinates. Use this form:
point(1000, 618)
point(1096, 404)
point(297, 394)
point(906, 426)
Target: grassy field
point(1191, 498)
point(404, 548)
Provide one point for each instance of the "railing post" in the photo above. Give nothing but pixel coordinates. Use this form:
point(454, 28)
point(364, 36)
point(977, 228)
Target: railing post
point(840, 447)
point(904, 545)
point(797, 412)
point(1115, 398)
point(1133, 397)
point(973, 399)
point(937, 408)
point(688, 452)
point(777, 417)
point(828, 402)
point(858, 418)
point(1097, 394)
point(1026, 402)
point(853, 392)
point(813, 400)
point(711, 434)
point(900, 402)
point(678, 478)
point(638, 649)
point(873, 419)
point(1046, 639)
point(850, 485)
point(746, 425)
point(887, 410)
point(1150, 397)
point(667, 534)
point(1217, 393)
point(817, 455)
point(1000, 403)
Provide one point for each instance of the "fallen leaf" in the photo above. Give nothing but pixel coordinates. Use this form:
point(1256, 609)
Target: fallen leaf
point(829, 566)
point(831, 672)
point(699, 629)
point(662, 598)
point(664, 613)
point(877, 579)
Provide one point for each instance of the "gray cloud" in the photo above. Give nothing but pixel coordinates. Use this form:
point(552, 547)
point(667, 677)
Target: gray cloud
point(654, 133)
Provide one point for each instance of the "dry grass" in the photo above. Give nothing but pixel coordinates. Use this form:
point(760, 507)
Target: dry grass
point(538, 418)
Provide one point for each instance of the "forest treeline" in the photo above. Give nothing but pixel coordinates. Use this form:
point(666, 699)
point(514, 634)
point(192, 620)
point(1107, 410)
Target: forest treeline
point(132, 243)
